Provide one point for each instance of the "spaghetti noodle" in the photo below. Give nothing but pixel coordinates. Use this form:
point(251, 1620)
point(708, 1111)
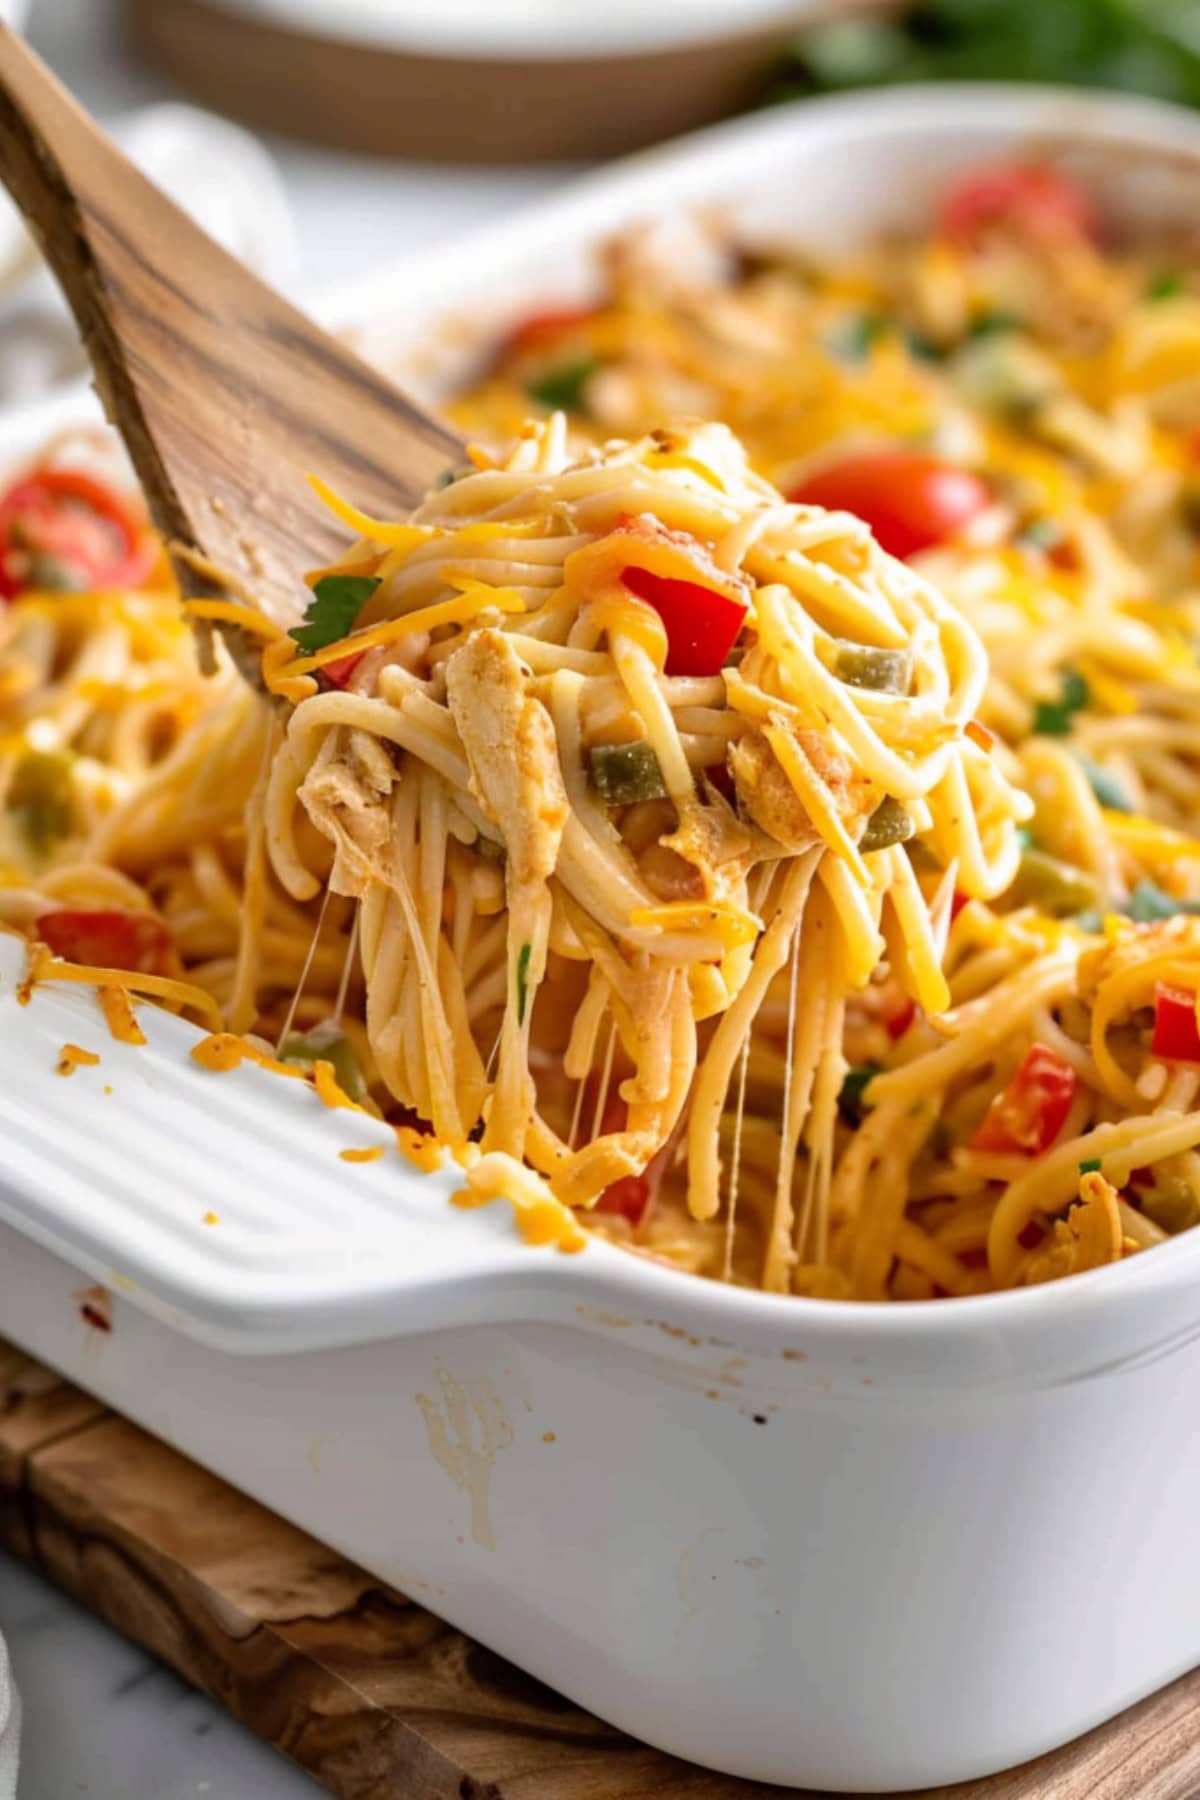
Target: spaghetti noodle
point(639, 829)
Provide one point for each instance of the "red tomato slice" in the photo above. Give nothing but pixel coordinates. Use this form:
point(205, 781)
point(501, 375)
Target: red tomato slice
point(138, 942)
point(544, 328)
point(1028, 196)
point(65, 528)
point(1175, 1034)
point(910, 501)
point(1027, 1117)
point(702, 625)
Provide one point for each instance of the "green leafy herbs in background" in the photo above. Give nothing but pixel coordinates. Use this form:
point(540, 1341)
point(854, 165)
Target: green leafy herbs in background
point(1148, 46)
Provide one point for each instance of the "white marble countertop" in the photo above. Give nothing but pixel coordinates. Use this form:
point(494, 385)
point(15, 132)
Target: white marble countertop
point(101, 1718)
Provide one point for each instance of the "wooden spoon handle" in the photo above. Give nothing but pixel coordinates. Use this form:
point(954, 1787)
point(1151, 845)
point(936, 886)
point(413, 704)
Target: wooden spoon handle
point(225, 395)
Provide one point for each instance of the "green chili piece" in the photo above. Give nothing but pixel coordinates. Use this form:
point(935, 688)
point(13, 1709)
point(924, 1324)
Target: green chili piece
point(623, 774)
point(1149, 903)
point(1106, 787)
point(1054, 887)
point(1171, 1204)
point(888, 824)
point(40, 796)
point(327, 1042)
point(883, 671)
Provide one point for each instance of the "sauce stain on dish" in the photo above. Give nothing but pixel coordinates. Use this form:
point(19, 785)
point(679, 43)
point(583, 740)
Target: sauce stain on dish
point(467, 1427)
point(95, 1307)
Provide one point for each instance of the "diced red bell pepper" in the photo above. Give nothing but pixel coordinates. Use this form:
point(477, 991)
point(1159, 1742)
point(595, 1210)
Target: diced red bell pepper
point(629, 1197)
point(1175, 1033)
point(339, 672)
point(1025, 195)
point(66, 528)
point(898, 1022)
point(109, 939)
point(1027, 1117)
point(910, 501)
point(702, 625)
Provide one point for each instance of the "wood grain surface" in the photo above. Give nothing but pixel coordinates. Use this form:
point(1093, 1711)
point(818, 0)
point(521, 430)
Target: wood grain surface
point(226, 396)
point(370, 1693)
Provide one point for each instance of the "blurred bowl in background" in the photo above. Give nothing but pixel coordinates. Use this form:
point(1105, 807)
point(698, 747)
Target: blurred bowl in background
point(476, 80)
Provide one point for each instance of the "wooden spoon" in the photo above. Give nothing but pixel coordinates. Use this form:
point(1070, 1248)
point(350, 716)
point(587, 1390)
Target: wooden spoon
point(226, 396)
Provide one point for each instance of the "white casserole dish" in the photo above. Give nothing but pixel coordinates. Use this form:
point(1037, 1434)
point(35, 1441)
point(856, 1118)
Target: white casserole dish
point(850, 1547)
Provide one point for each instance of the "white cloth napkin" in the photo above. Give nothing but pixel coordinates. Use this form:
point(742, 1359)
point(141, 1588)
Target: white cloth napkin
point(10, 1728)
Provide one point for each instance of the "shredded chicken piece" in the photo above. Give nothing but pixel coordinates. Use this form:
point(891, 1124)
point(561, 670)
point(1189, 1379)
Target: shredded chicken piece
point(1089, 1236)
point(512, 755)
point(772, 802)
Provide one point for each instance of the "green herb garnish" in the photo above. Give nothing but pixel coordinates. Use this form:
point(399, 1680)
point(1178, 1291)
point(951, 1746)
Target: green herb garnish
point(1167, 286)
point(336, 603)
point(1053, 718)
point(987, 324)
point(1091, 1166)
point(523, 956)
point(852, 340)
point(850, 1100)
point(563, 388)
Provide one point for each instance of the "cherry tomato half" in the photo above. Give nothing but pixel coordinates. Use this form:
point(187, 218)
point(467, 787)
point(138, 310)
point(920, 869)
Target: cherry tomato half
point(541, 329)
point(910, 501)
point(1028, 196)
point(64, 528)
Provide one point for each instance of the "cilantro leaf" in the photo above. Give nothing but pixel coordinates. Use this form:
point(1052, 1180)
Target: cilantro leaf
point(1052, 718)
point(850, 1100)
point(336, 603)
point(563, 387)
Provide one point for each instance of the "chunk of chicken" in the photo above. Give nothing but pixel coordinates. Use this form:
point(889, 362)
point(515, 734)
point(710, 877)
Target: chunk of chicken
point(770, 799)
point(512, 755)
point(511, 750)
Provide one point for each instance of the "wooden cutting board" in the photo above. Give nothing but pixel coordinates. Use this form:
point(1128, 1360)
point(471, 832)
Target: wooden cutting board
point(375, 1697)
